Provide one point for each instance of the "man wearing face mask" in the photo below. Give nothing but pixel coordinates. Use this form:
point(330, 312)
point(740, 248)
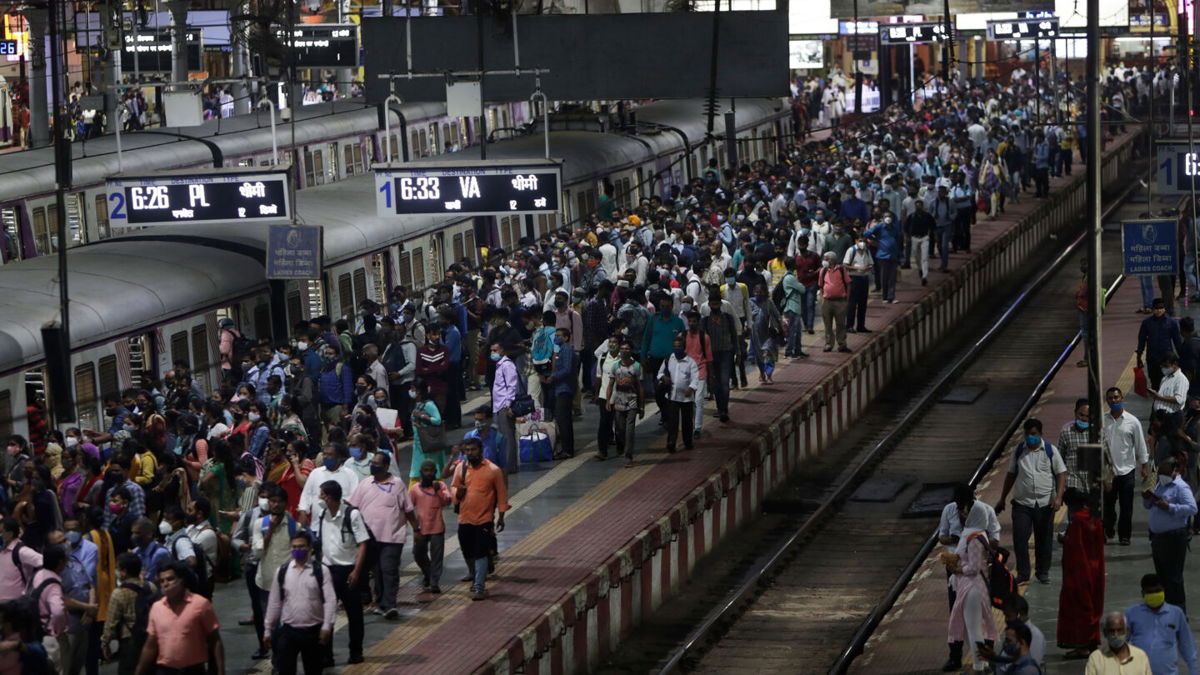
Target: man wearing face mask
point(1169, 397)
point(859, 263)
point(242, 541)
point(1161, 630)
point(493, 441)
point(1116, 656)
point(1171, 505)
point(301, 610)
point(479, 490)
point(1037, 472)
point(154, 556)
point(386, 509)
point(333, 467)
point(563, 379)
point(1126, 452)
point(344, 539)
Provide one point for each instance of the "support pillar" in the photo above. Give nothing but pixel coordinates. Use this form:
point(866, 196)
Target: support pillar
point(179, 68)
point(39, 110)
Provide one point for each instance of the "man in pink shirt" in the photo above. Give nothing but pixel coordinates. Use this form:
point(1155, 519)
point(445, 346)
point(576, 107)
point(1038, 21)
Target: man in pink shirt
point(699, 348)
point(429, 497)
point(301, 610)
point(182, 629)
point(14, 577)
point(385, 508)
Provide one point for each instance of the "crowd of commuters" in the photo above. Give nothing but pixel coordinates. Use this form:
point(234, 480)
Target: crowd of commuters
point(319, 455)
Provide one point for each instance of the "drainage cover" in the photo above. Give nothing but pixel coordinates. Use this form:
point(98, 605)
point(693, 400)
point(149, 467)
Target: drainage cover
point(964, 394)
point(878, 490)
point(930, 501)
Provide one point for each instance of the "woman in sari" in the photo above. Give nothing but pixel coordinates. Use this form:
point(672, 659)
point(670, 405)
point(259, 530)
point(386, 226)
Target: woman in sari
point(1081, 600)
point(766, 326)
point(991, 181)
point(218, 482)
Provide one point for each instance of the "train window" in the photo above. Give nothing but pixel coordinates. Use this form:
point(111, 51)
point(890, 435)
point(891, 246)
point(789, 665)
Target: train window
point(200, 356)
point(359, 167)
point(381, 275)
point(405, 270)
point(395, 149)
point(424, 136)
point(545, 223)
point(249, 161)
point(418, 271)
point(345, 295)
point(360, 285)
point(349, 148)
point(295, 307)
point(457, 244)
point(316, 297)
point(456, 135)
point(469, 245)
point(333, 163)
point(6, 416)
point(85, 396)
point(626, 194)
point(109, 380)
point(309, 179)
point(41, 235)
point(318, 167)
point(414, 144)
point(582, 213)
point(11, 233)
point(179, 346)
point(75, 222)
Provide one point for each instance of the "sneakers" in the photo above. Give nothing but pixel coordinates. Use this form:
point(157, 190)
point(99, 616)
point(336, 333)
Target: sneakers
point(478, 595)
point(392, 614)
point(844, 350)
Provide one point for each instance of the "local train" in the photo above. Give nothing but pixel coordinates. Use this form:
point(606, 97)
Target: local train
point(144, 300)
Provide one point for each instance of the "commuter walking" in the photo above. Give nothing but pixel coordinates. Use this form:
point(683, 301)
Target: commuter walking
point(1037, 472)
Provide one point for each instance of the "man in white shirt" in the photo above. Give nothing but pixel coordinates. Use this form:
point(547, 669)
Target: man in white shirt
point(333, 467)
point(344, 539)
point(681, 376)
point(1039, 475)
point(1124, 451)
point(1170, 397)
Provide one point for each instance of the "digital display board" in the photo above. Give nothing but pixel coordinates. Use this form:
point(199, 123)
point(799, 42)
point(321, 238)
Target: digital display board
point(1178, 168)
point(184, 198)
point(473, 188)
point(9, 47)
point(1022, 29)
point(152, 51)
point(912, 33)
point(323, 45)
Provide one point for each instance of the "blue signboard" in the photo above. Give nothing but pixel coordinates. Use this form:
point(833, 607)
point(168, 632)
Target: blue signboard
point(294, 252)
point(1150, 246)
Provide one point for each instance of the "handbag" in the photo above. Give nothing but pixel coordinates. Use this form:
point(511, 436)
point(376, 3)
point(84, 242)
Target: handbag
point(1141, 385)
point(535, 446)
point(433, 438)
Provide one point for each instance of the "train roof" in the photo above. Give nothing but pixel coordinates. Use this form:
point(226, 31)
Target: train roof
point(127, 283)
point(31, 172)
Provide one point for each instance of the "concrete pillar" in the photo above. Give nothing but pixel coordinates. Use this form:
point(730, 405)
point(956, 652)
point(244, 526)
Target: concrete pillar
point(241, 64)
point(964, 63)
point(979, 57)
point(112, 38)
point(178, 10)
point(39, 110)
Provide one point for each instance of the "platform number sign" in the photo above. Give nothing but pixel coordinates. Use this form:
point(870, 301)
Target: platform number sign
point(184, 198)
point(1178, 168)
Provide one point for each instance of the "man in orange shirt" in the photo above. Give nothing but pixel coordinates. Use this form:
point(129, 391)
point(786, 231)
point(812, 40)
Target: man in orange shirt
point(182, 629)
point(479, 492)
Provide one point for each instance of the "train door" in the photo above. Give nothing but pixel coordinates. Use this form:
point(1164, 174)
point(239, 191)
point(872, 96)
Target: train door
point(331, 169)
point(139, 353)
point(6, 414)
point(35, 390)
point(87, 400)
point(102, 227)
point(201, 361)
point(10, 230)
point(437, 258)
point(76, 220)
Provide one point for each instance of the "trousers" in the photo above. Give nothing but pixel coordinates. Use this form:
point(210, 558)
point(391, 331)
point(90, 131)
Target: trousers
point(679, 414)
point(920, 247)
point(385, 559)
point(564, 422)
point(428, 551)
point(351, 601)
point(856, 308)
point(624, 427)
point(720, 370)
point(288, 643)
point(1169, 550)
point(1037, 521)
point(833, 312)
point(604, 431)
point(1122, 489)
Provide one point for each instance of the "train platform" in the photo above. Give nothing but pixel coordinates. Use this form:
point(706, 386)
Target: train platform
point(912, 637)
point(591, 546)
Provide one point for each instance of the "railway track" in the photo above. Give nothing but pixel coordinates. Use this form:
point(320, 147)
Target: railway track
point(790, 592)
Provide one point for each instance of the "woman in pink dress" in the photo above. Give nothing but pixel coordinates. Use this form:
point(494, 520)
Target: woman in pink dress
point(971, 620)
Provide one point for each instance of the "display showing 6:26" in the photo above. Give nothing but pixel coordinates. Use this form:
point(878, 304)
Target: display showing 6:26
point(470, 187)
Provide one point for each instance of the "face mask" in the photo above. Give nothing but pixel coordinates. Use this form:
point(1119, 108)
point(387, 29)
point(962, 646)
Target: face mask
point(14, 450)
point(1082, 425)
point(1155, 600)
point(328, 360)
point(330, 464)
point(301, 346)
point(262, 504)
point(1011, 649)
point(426, 481)
point(495, 356)
point(1031, 440)
point(72, 441)
point(860, 246)
point(1164, 481)
point(412, 393)
point(74, 537)
point(1167, 371)
point(613, 349)
point(114, 507)
point(475, 461)
point(1115, 642)
point(558, 341)
point(300, 554)
point(254, 417)
point(356, 453)
point(137, 540)
point(1116, 407)
point(679, 353)
point(164, 528)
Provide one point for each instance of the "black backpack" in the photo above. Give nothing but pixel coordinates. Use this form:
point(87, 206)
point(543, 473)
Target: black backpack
point(242, 346)
point(146, 597)
point(29, 604)
point(200, 579)
point(318, 572)
point(1000, 581)
point(347, 527)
